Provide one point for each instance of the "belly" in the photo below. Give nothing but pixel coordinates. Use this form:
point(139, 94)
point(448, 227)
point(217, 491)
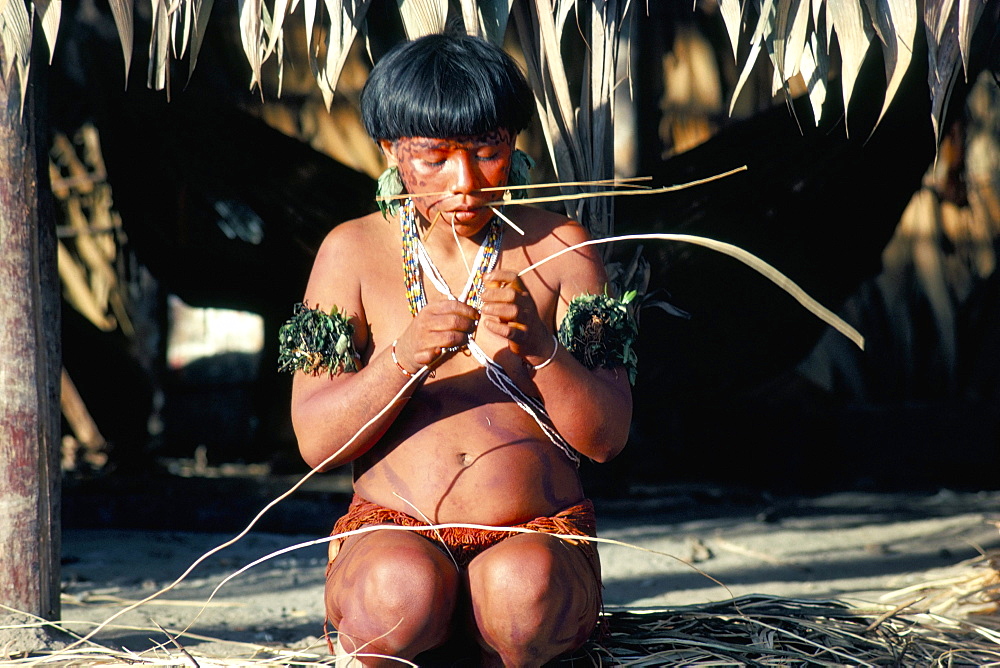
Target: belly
point(462, 451)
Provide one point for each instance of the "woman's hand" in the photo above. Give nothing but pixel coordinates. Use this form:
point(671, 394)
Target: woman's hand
point(438, 326)
point(510, 312)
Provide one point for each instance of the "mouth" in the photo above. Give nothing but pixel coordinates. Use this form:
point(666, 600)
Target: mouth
point(463, 212)
point(463, 215)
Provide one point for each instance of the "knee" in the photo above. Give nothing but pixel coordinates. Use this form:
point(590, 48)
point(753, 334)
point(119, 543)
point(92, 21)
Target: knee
point(530, 603)
point(408, 584)
point(521, 577)
point(399, 601)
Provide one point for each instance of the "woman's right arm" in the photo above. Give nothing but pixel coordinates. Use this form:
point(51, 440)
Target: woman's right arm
point(337, 419)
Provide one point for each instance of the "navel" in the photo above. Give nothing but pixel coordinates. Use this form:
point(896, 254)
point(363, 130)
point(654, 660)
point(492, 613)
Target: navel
point(465, 459)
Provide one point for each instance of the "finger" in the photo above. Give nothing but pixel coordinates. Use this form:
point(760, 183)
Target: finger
point(427, 356)
point(408, 355)
point(497, 296)
point(505, 295)
point(433, 343)
point(451, 307)
point(460, 325)
point(448, 320)
point(505, 279)
point(451, 339)
point(501, 310)
point(517, 330)
point(513, 331)
point(501, 276)
point(437, 346)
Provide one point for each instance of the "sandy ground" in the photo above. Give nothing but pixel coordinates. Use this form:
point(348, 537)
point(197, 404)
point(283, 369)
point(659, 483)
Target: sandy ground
point(681, 549)
point(683, 546)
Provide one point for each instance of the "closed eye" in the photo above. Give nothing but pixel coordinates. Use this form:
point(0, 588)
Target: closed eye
point(489, 152)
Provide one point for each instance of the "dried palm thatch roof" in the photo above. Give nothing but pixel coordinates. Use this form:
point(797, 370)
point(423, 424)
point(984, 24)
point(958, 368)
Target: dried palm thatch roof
point(798, 37)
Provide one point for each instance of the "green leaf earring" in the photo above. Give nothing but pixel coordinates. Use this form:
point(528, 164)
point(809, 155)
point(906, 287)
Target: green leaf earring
point(520, 164)
point(389, 185)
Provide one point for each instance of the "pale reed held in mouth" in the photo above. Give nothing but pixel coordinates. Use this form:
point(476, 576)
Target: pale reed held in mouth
point(629, 182)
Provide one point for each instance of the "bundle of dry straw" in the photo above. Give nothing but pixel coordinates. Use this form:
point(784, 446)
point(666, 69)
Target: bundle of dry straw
point(761, 630)
point(953, 620)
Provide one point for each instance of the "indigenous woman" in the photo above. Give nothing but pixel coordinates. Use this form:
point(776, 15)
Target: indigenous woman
point(497, 409)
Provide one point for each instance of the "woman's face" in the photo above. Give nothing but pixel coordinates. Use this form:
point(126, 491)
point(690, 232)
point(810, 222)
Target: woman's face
point(453, 172)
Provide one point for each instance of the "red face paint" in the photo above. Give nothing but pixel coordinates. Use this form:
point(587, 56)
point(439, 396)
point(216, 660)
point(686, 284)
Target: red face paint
point(455, 170)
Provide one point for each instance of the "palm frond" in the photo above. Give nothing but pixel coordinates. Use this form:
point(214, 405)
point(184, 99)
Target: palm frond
point(854, 35)
point(814, 71)
point(796, 34)
point(49, 11)
point(944, 54)
point(15, 31)
point(791, 23)
point(346, 19)
point(578, 132)
point(896, 25)
point(732, 13)
point(281, 9)
point(423, 17)
point(121, 10)
point(798, 41)
point(969, 14)
point(764, 26)
point(251, 36)
point(159, 43)
point(470, 17)
point(493, 18)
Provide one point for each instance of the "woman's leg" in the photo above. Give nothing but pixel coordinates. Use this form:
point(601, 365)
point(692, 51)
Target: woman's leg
point(534, 597)
point(391, 593)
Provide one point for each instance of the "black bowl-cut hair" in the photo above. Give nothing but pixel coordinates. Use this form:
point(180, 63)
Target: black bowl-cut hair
point(445, 85)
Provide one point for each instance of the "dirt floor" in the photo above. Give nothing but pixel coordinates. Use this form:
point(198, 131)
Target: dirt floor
point(670, 546)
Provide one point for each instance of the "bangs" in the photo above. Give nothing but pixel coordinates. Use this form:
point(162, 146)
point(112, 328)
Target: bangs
point(445, 86)
point(437, 115)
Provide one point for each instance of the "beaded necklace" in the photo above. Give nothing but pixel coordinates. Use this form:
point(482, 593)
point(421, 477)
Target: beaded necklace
point(416, 262)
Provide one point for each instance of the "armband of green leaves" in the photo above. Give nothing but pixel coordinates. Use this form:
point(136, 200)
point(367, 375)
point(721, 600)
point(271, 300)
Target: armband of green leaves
point(600, 331)
point(313, 340)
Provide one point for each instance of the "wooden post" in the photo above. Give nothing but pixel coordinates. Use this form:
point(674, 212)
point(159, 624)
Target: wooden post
point(29, 376)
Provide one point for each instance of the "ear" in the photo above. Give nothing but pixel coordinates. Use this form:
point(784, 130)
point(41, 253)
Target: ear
point(389, 150)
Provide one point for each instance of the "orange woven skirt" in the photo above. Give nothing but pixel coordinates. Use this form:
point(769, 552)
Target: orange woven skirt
point(464, 544)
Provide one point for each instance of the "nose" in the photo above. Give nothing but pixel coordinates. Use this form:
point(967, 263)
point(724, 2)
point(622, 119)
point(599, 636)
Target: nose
point(465, 179)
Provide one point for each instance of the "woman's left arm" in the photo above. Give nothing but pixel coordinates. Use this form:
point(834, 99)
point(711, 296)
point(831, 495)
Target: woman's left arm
point(591, 408)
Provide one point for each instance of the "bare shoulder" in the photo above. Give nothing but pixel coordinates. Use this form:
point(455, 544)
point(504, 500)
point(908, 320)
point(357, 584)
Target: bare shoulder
point(351, 244)
point(541, 225)
point(352, 236)
point(344, 259)
point(562, 246)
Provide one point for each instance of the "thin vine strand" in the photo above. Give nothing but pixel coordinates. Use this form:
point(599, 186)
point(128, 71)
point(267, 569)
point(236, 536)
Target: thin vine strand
point(418, 376)
point(751, 260)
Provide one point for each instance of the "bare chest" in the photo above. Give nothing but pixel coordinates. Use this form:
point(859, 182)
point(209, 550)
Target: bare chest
point(389, 308)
